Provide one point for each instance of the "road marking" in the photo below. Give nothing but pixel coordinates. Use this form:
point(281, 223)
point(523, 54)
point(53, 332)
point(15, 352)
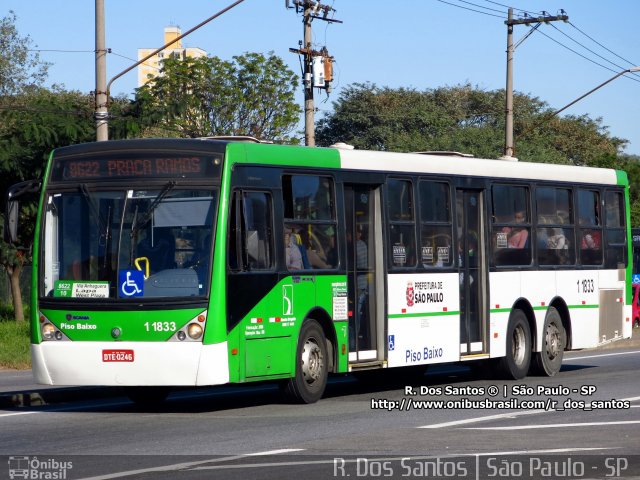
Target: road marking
point(275, 452)
point(505, 415)
point(549, 450)
point(567, 359)
point(187, 465)
point(482, 419)
point(16, 413)
point(557, 425)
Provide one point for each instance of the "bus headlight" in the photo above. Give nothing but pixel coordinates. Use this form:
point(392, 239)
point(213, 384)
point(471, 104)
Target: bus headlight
point(48, 331)
point(194, 331)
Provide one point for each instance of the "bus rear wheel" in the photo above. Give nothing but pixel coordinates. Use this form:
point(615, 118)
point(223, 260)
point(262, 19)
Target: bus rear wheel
point(310, 379)
point(515, 364)
point(549, 360)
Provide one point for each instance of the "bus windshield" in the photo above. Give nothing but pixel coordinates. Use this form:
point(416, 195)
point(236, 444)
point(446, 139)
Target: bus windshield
point(119, 244)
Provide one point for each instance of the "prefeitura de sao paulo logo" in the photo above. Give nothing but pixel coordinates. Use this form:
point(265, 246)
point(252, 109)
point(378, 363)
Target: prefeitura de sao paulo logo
point(409, 294)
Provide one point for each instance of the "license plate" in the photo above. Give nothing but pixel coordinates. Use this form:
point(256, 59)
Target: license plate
point(117, 355)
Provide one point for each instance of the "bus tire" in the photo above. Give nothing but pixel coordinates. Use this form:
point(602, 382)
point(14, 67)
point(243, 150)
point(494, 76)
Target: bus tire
point(515, 364)
point(548, 361)
point(310, 378)
point(147, 396)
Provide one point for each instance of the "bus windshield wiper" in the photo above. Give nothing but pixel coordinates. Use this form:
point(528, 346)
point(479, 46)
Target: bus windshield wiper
point(140, 222)
point(95, 209)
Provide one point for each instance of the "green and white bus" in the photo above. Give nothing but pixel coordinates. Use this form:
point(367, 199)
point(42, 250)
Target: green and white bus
point(175, 262)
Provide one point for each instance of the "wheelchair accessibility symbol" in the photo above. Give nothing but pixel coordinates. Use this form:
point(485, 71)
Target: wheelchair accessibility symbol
point(131, 283)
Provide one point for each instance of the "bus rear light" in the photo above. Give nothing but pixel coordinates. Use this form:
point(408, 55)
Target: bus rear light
point(48, 331)
point(194, 331)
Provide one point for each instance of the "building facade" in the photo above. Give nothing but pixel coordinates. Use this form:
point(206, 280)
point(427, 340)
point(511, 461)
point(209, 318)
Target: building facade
point(152, 66)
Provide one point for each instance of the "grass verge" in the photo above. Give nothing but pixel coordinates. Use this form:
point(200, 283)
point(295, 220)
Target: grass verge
point(14, 344)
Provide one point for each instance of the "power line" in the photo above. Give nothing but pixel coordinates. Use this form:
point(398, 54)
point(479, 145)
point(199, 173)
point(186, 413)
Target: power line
point(129, 58)
point(515, 8)
point(580, 55)
point(598, 43)
point(480, 6)
point(471, 9)
point(60, 51)
point(588, 49)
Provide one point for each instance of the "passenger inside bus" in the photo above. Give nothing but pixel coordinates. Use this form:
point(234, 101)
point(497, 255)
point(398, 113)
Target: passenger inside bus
point(517, 237)
point(293, 254)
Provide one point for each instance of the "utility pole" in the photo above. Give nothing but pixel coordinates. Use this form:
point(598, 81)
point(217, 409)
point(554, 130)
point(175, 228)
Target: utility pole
point(317, 69)
point(101, 113)
point(508, 110)
point(510, 22)
point(309, 107)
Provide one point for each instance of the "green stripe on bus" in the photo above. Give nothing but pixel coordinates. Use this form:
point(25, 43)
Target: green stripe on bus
point(426, 314)
point(507, 310)
point(283, 155)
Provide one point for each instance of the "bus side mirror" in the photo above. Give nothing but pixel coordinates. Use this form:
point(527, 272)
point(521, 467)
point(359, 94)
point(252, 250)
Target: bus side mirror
point(12, 212)
point(11, 222)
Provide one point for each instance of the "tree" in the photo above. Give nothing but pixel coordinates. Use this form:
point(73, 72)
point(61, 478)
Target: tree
point(461, 118)
point(195, 97)
point(19, 67)
point(33, 123)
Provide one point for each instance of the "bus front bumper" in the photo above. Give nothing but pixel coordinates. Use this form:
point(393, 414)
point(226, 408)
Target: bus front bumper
point(130, 363)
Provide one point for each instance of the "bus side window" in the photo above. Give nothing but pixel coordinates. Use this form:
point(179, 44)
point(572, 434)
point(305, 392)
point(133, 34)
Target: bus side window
point(310, 220)
point(435, 224)
point(590, 227)
point(554, 232)
point(615, 237)
point(250, 238)
point(257, 232)
point(402, 240)
point(511, 230)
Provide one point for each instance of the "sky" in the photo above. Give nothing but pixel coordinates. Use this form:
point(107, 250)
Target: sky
point(421, 44)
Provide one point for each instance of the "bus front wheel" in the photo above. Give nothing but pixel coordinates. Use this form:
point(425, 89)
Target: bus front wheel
point(549, 360)
point(515, 364)
point(310, 379)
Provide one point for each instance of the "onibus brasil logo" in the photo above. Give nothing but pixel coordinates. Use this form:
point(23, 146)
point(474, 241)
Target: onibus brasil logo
point(35, 468)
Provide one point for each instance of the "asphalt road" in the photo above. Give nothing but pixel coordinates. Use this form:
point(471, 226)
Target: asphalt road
point(360, 429)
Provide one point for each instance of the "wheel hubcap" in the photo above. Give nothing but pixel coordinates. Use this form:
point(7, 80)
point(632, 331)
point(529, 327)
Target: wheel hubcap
point(552, 341)
point(312, 361)
point(518, 345)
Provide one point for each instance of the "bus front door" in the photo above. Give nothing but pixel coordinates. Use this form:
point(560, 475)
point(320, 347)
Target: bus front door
point(365, 285)
point(473, 272)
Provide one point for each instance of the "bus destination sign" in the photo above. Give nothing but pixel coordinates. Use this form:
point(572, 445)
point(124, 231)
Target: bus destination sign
point(65, 169)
